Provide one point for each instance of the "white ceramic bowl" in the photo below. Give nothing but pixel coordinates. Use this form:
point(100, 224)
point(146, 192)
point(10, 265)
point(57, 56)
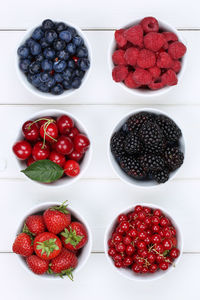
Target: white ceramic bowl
point(65, 181)
point(128, 273)
point(86, 250)
point(122, 175)
point(147, 92)
point(33, 89)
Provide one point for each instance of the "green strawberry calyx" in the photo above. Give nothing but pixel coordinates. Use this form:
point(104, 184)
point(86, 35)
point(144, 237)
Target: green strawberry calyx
point(27, 231)
point(71, 237)
point(63, 273)
point(47, 246)
point(62, 208)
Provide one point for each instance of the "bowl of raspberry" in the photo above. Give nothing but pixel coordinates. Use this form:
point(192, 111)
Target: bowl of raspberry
point(53, 241)
point(147, 57)
point(53, 59)
point(146, 148)
point(143, 242)
point(52, 148)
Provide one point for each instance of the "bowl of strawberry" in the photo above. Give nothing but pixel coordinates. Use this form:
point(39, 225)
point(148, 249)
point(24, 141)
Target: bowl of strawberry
point(147, 57)
point(53, 147)
point(53, 241)
point(143, 242)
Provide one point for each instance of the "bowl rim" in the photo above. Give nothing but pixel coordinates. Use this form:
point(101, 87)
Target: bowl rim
point(84, 130)
point(115, 166)
point(45, 205)
point(142, 277)
point(30, 87)
point(148, 93)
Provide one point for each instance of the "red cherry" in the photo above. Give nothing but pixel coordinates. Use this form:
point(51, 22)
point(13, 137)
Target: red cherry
point(120, 247)
point(64, 124)
point(174, 253)
point(64, 145)
point(30, 131)
point(111, 252)
point(164, 265)
point(57, 158)
point(72, 133)
point(81, 143)
point(30, 161)
point(40, 151)
point(75, 155)
point(22, 149)
point(122, 218)
point(44, 120)
point(127, 261)
point(167, 244)
point(49, 132)
point(130, 249)
point(71, 168)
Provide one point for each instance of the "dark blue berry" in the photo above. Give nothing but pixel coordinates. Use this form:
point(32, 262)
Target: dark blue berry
point(48, 24)
point(72, 31)
point(39, 58)
point(76, 83)
point(34, 67)
point(65, 36)
point(44, 76)
point(35, 48)
point(71, 64)
point(49, 53)
point(77, 40)
point(51, 82)
point(60, 26)
point(59, 45)
point(63, 55)
point(78, 73)
point(35, 80)
point(67, 74)
point(24, 64)
point(59, 66)
point(43, 43)
point(57, 89)
point(38, 33)
point(82, 52)
point(84, 64)
point(23, 51)
point(71, 48)
point(43, 87)
point(58, 77)
point(29, 42)
point(47, 65)
point(50, 36)
point(66, 84)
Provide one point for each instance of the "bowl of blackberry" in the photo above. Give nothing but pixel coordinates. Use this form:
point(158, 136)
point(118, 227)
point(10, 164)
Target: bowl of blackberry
point(53, 59)
point(146, 148)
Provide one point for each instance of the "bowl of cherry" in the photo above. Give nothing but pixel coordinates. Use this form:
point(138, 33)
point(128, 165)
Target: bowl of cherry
point(143, 242)
point(52, 148)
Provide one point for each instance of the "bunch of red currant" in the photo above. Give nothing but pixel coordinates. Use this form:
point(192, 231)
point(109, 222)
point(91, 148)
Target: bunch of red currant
point(57, 140)
point(144, 240)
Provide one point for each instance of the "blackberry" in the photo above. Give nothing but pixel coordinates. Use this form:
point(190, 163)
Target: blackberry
point(135, 122)
point(150, 134)
point(132, 144)
point(117, 144)
point(161, 176)
point(170, 130)
point(155, 149)
point(132, 167)
point(173, 158)
point(152, 162)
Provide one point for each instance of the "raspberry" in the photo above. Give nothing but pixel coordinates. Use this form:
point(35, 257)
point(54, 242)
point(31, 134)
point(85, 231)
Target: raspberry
point(142, 77)
point(131, 56)
point(155, 72)
point(154, 41)
point(156, 84)
point(176, 50)
point(119, 37)
point(170, 36)
point(119, 73)
point(169, 78)
point(129, 82)
point(146, 59)
point(150, 24)
point(134, 35)
point(164, 60)
point(118, 57)
point(176, 66)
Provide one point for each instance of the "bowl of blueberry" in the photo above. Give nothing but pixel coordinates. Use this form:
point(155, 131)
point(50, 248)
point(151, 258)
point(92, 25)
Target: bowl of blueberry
point(53, 59)
point(146, 148)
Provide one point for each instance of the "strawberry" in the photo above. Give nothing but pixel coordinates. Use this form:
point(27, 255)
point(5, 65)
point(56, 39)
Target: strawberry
point(57, 218)
point(37, 265)
point(23, 245)
point(74, 236)
point(47, 245)
point(64, 264)
point(34, 224)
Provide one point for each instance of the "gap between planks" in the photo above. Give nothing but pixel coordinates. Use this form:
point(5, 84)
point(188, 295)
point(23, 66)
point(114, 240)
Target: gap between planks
point(97, 29)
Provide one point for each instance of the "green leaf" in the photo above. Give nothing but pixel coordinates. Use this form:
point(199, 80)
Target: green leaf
point(44, 171)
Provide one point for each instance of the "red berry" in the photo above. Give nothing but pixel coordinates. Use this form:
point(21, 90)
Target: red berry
point(142, 77)
point(122, 218)
point(147, 210)
point(110, 243)
point(164, 222)
point(164, 60)
point(146, 59)
point(159, 258)
point(159, 248)
point(141, 245)
point(57, 158)
point(163, 265)
point(118, 264)
point(131, 56)
point(35, 224)
point(124, 226)
point(127, 261)
point(119, 73)
point(136, 268)
point(119, 230)
point(40, 151)
point(118, 57)
point(151, 257)
point(157, 213)
point(30, 131)
point(150, 24)
point(143, 253)
point(111, 252)
point(176, 50)
point(129, 82)
point(141, 215)
point(167, 232)
point(22, 149)
point(75, 155)
point(134, 35)
point(148, 221)
point(174, 253)
point(138, 208)
point(37, 265)
point(72, 133)
point(133, 233)
point(49, 132)
point(154, 41)
point(130, 249)
point(120, 247)
point(30, 161)
point(144, 270)
point(169, 78)
point(155, 228)
point(167, 244)
point(155, 72)
point(153, 268)
point(147, 240)
point(117, 257)
point(81, 143)
point(117, 238)
point(142, 235)
point(170, 36)
point(155, 220)
point(156, 239)
point(71, 168)
point(64, 124)
point(119, 37)
point(127, 240)
point(64, 145)
point(142, 226)
point(176, 67)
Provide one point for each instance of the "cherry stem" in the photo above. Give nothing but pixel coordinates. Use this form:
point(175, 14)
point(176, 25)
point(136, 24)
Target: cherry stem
point(41, 119)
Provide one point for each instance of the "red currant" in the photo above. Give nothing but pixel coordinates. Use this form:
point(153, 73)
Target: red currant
point(164, 222)
point(141, 244)
point(142, 226)
point(167, 244)
point(159, 248)
point(136, 268)
point(127, 240)
point(159, 259)
point(57, 158)
point(71, 168)
point(148, 221)
point(117, 238)
point(119, 230)
point(127, 261)
point(111, 252)
point(40, 151)
point(142, 235)
point(143, 253)
point(22, 149)
point(141, 215)
point(174, 253)
point(130, 249)
point(167, 233)
point(118, 264)
point(155, 228)
point(133, 233)
point(153, 268)
point(122, 218)
point(138, 208)
point(64, 145)
point(156, 239)
point(110, 243)
point(147, 240)
point(124, 226)
point(151, 258)
point(157, 213)
point(117, 257)
point(155, 220)
point(64, 124)
point(147, 210)
point(144, 270)
point(30, 131)
point(163, 265)
point(120, 247)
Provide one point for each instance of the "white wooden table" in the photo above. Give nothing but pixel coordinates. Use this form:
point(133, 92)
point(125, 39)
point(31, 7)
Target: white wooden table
point(99, 195)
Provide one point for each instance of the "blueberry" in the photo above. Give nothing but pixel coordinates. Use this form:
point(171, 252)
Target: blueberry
point(59, 45)
point(66, 84)
point(23, 51)
point(43, 43)
point(35, 48)
point(48, 24)
point(59, 66)
point(77, 40)
point(47, 65)
point(51, 82)
point(61, 26)
point(43, 88)
point(24, 64)
point(63, 55)
point(30, 77)
point(39, 57)
point(38, 33)
point(35, 80)
point(82, 52)
point(71, 64)
point(44, 76)
point(34, 67)
point(78, 73)
point(72, 31)
point(65, 36)
point(29, 42)
point(76, 83)
point(71, 48)
point(57, 89)
point(58, 77)
point(67, 74)
point(50, 36)
point(49, 53)
point(84, 64)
